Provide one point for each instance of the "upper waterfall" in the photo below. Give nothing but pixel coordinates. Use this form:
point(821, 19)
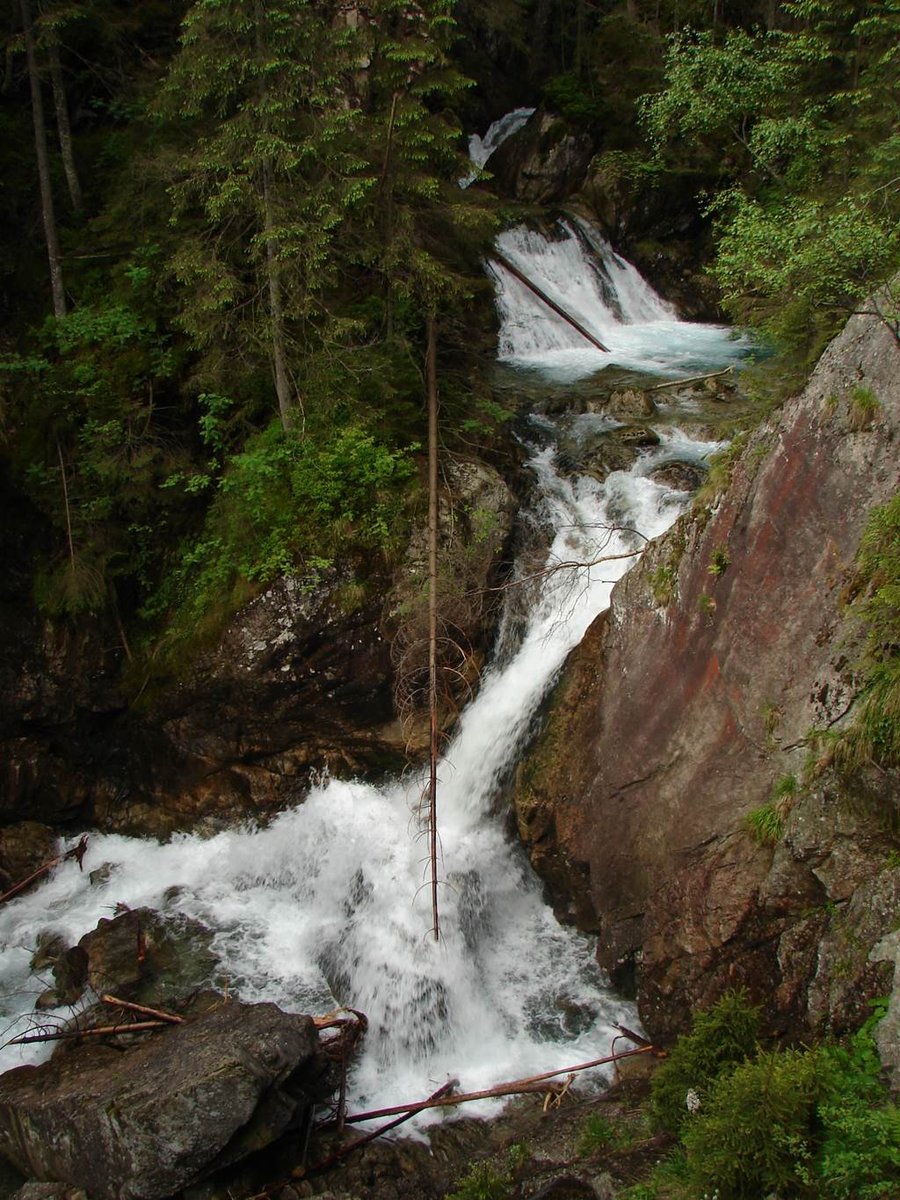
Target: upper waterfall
point(578, 269)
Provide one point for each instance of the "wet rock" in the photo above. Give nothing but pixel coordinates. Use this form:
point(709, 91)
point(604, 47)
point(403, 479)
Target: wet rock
point(24, 848)
point(544, 162)
point(300, 682)
point(142, 1121)
point(680, 476)
point(630, 405)
point(687, 717)
point(142, 956)
point(49, 1191)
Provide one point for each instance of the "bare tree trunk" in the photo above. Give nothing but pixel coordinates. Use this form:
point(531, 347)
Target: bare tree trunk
point(431, 387)
point(276, 315)
point(43, 164)
point(631, 10)
point(63, 127)
point(273, 272)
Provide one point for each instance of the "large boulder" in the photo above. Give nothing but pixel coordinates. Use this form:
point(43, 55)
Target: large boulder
point(141, 1121)
point(690, 705)
point(544, 162)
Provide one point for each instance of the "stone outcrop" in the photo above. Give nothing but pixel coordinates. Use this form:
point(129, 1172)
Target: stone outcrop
point(141, 1121)
point(544, 162)
point(693, 698)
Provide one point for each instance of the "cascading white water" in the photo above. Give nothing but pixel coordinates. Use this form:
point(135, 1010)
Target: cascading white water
point(580, 271)
point(481, 148)
point(326, 905)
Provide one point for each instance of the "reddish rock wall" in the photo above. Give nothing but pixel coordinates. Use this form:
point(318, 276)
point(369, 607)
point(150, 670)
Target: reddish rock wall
point(686, 716)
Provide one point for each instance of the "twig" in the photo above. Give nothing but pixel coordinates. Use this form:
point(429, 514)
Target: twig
point(26, 1039)
point(502, 1089)
point(343, 1151)
point(158, 1014)
point(658, 387)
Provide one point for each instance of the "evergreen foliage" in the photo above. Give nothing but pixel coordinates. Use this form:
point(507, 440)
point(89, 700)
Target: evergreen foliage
point(721, 1037)
point(257, 209)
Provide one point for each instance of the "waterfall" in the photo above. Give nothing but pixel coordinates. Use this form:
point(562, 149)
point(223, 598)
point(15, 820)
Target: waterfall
point(481, 148)
point(579, 270)
point(326, 904)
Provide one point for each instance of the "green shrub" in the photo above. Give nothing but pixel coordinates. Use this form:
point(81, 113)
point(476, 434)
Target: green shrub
point(596, 1133)
point(662, 584)
point(859, 1156)
point(719, 562)
point(483, 1181)
point(754, 1134)
point(283, 506)
point(810, 1124)
point(721, 1037)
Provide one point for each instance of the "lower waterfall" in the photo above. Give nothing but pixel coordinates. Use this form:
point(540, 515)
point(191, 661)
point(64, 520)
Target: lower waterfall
point(326, 904)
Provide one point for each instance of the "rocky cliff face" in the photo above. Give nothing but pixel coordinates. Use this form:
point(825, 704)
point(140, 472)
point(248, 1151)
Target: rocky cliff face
point(693, 698)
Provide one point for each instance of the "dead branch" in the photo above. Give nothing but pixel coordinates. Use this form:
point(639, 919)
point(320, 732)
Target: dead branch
point(658, 387)
point(77, 852)
point(156, 1013)
point(514, 1088)
point(549, 301)
point(25, 1039)
point(343, 1151)
point(574, 564)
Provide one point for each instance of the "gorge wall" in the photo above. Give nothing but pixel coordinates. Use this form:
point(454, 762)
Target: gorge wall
point(694, 696)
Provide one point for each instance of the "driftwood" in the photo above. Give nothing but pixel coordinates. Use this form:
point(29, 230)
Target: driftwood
point(156, 1013)
point(549, 301)
point(77, 852)
point(658, 387)
point(343, 1151)
point(25, 1039)
point(514, 1088)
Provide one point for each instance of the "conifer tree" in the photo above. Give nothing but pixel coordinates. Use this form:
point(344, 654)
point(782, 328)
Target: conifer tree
point(266, 178)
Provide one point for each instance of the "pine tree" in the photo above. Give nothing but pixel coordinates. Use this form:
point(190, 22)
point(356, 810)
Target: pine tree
point(261, 194)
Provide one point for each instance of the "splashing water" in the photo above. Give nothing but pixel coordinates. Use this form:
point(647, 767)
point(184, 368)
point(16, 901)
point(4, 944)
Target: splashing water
point(582, 273)
point(326, 905)
point(481, 148)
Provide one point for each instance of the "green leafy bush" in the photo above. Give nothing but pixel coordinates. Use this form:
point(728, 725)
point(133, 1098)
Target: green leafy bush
point(721, 1037)
point(874, 735)
point(803, 1124)
point(281, 507)
point(596, 1133)
point(483, 1181)
point(754, 1134)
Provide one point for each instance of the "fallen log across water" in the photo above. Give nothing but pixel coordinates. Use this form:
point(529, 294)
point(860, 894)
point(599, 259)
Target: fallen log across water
point(77, 852)
point(445, 1090)
point(513, 1088)
point(549, 301)
point(658, 387)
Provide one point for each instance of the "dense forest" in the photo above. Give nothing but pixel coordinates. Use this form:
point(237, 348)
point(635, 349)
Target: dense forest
point(227, 224)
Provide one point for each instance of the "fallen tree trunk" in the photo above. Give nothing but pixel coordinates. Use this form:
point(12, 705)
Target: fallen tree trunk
point(514, 1088)
point(549, 301)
